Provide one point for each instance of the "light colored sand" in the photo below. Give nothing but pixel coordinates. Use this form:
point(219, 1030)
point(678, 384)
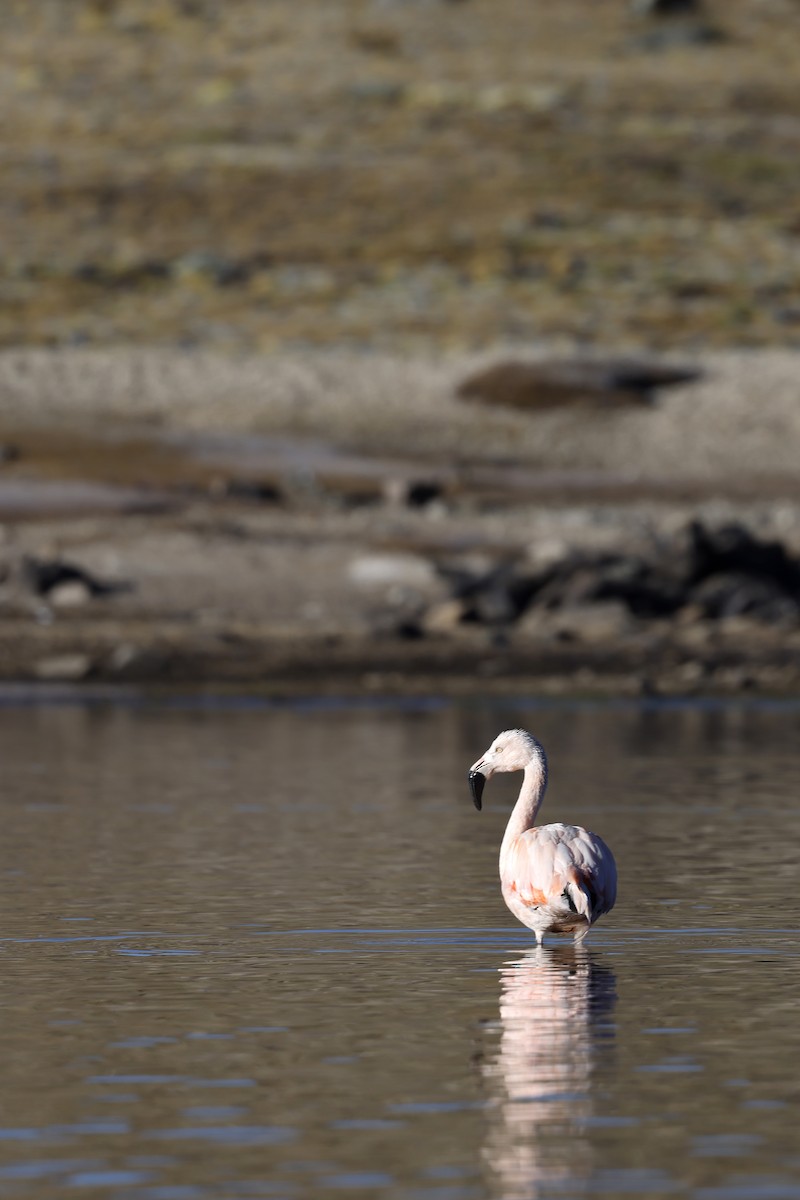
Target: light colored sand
point(741, 419)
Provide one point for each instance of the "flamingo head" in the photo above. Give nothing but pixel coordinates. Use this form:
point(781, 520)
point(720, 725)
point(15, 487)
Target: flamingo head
point(512, 750)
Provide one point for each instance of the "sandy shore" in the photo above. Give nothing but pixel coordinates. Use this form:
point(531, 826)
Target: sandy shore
point(326, 521)
point(739, 421)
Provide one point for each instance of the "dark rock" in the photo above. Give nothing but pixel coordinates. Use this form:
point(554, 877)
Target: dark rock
point(604, 383)
point(734, 595)
point(44, 576)
point(733, 549)
point(384, 42)
point(422, 492)
point(493, 605)
point(255, 491)
point(572, 581)
point(703, 575)
point(222, 272)
point(121, 276)
point(494, 596)
point(8, 452)
point(415, 493)
point(666, 8)
point(788, 314)
point(377, 91)
point(677, 35)
point(410, 629)
point(647, 589)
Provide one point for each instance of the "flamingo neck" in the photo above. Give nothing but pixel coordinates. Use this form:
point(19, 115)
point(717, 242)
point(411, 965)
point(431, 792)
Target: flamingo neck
point(528, 802)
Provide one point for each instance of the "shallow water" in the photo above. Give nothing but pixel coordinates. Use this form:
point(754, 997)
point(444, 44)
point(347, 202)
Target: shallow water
point(254, 950)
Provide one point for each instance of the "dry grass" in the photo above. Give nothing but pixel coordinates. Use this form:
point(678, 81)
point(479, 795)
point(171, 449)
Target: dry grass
point(396, 174)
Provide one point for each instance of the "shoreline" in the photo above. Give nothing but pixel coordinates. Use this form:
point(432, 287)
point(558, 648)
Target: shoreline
point(365, 526)
point(329, 666)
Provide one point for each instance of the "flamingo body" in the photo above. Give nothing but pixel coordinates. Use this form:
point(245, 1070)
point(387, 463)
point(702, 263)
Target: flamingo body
point(554, 878)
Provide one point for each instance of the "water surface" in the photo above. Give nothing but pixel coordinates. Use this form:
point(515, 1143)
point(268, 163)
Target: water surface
point(253, 950)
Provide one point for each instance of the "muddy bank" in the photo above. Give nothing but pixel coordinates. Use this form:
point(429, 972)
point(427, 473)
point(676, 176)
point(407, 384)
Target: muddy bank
point(336, 522)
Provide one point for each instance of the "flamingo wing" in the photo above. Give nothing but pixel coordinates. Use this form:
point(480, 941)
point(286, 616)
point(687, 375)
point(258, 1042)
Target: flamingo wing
point(564, 866)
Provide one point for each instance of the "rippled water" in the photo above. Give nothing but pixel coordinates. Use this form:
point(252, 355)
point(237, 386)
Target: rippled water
point(260, 951)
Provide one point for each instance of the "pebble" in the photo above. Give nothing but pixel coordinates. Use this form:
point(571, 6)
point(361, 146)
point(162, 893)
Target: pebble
point(72, 594)
point(63, 668)
point(384, 570)
point(444, 617)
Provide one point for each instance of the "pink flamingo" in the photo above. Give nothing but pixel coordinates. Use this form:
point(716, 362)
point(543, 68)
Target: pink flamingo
point(557, 878)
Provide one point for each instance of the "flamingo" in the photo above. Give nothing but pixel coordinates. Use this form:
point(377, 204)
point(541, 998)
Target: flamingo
point(557, 878)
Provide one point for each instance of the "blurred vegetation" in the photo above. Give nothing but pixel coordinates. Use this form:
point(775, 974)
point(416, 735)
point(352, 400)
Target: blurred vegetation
point(404, 172)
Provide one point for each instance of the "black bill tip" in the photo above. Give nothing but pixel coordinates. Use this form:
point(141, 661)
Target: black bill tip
point(477, 782)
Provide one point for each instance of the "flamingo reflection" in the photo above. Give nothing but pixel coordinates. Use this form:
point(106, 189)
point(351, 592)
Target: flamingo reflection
point(553, 1005)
